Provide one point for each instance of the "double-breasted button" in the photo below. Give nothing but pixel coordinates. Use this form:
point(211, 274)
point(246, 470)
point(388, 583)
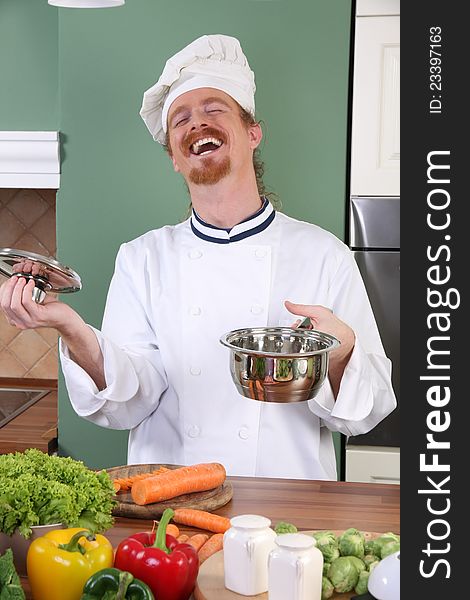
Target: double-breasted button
point(195, 311)
point(194, 431)
point(244, 433)
point(194, 254)
point(195, 371)
point(256, 309)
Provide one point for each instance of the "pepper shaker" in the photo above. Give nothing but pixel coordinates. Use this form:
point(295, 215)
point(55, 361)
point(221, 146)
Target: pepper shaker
point(247, 545)
point(295, 568)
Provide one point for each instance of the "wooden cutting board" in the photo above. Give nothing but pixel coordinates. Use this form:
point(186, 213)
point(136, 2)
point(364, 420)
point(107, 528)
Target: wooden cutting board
point(210, 581)
point(209, 500)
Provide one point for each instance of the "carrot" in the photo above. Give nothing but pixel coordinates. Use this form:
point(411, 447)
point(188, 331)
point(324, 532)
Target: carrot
point(198, 540)
point(127, 482)
point(182, 538)
point(213, 545)
point(117, 486)
point(173, 530)
point(176, 482)
point(201, 519)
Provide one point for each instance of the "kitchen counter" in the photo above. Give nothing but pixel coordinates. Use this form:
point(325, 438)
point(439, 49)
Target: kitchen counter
point(307, 504)
point(35, 425)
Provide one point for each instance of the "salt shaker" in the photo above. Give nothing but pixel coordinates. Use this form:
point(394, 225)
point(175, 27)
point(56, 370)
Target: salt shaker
point(247, 545)
point(295, 568)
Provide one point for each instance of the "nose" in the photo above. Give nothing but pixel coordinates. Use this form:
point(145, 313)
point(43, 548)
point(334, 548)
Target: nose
point(198, 120)
point(198, 125)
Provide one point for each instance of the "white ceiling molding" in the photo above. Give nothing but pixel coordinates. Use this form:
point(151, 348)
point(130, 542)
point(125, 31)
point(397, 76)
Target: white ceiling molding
point(376, 8)
point(86, 3)
point(29, 159)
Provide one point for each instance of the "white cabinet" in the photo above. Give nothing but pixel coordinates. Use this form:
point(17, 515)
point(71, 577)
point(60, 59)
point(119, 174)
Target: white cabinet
point(373, 464)
point(375, 149)
point(375, 166)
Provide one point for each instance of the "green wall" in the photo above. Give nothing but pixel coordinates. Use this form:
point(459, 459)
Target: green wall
point(117, 183)
point(28, 66)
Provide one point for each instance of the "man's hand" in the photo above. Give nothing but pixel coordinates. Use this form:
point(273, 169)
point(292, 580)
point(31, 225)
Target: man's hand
point(21, 311)
point(324, 320)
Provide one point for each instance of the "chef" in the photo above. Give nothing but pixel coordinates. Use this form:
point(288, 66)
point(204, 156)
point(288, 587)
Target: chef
point(157, 367)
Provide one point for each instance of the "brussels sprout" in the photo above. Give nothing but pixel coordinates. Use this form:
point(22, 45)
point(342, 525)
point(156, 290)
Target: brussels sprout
point(327, 544)
point(283, 527)
point(361, 585)
point(369, 559)
point(343, 574)
point(386, 544)
point(326, 566)
point(358, 563)
point(351, 543)
point(327, 588)
point(389, 548)
point(373, 565)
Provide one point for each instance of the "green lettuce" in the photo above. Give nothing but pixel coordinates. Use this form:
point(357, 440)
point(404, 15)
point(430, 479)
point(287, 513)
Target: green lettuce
point(10, 585)
point(39, 489)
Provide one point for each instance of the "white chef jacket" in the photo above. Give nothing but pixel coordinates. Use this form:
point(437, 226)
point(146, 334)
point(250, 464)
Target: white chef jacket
point(175, 291)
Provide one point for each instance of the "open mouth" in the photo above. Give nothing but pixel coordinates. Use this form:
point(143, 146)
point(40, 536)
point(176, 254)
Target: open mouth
point(205, 146)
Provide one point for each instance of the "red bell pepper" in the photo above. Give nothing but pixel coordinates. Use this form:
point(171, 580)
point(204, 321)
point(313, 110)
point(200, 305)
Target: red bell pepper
point(169, 568)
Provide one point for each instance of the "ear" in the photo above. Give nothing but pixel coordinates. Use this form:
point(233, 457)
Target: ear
point(255, 134)
point(170, 154)
point(175, 166)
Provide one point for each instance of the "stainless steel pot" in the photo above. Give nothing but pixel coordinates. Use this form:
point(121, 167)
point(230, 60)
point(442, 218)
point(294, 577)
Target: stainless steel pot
point(279, 364)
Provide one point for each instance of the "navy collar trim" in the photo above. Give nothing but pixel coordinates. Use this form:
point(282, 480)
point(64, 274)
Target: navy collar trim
point(248, 227)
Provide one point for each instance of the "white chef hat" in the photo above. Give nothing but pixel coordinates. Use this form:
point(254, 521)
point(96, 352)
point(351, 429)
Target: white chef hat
point(214, 61)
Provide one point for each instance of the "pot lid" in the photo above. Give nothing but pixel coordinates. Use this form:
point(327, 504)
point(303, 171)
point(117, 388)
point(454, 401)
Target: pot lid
point(48, 273)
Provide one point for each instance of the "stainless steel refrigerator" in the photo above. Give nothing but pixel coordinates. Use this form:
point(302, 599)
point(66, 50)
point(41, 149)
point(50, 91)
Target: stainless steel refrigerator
point(374, 237)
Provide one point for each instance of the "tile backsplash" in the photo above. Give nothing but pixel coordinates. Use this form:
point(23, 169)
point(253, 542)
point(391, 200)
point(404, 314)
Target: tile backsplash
point(28, 222)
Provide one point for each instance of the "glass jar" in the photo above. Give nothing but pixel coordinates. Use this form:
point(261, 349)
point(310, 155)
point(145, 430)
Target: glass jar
point(295, 568)
point(247, 545)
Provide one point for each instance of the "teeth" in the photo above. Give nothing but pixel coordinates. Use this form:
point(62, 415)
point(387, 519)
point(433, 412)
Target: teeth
point(195, 147)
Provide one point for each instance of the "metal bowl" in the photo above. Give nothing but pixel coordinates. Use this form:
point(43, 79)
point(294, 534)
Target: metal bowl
point(20, 545)
point(279, 364)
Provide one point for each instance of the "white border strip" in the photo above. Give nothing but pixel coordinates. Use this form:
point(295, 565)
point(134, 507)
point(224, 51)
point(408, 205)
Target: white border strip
point(29, 159)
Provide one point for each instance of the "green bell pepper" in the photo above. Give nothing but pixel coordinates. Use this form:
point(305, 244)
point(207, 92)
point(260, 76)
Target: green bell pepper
point(114, 584)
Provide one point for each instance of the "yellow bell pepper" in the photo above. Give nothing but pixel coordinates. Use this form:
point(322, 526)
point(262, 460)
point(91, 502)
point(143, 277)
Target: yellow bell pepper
point(60, 562)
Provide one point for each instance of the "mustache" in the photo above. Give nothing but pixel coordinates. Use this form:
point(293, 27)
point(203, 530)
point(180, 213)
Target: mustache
point(193, 136)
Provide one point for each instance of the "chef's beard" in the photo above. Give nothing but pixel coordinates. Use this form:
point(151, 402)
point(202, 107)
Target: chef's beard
point(211, 171)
